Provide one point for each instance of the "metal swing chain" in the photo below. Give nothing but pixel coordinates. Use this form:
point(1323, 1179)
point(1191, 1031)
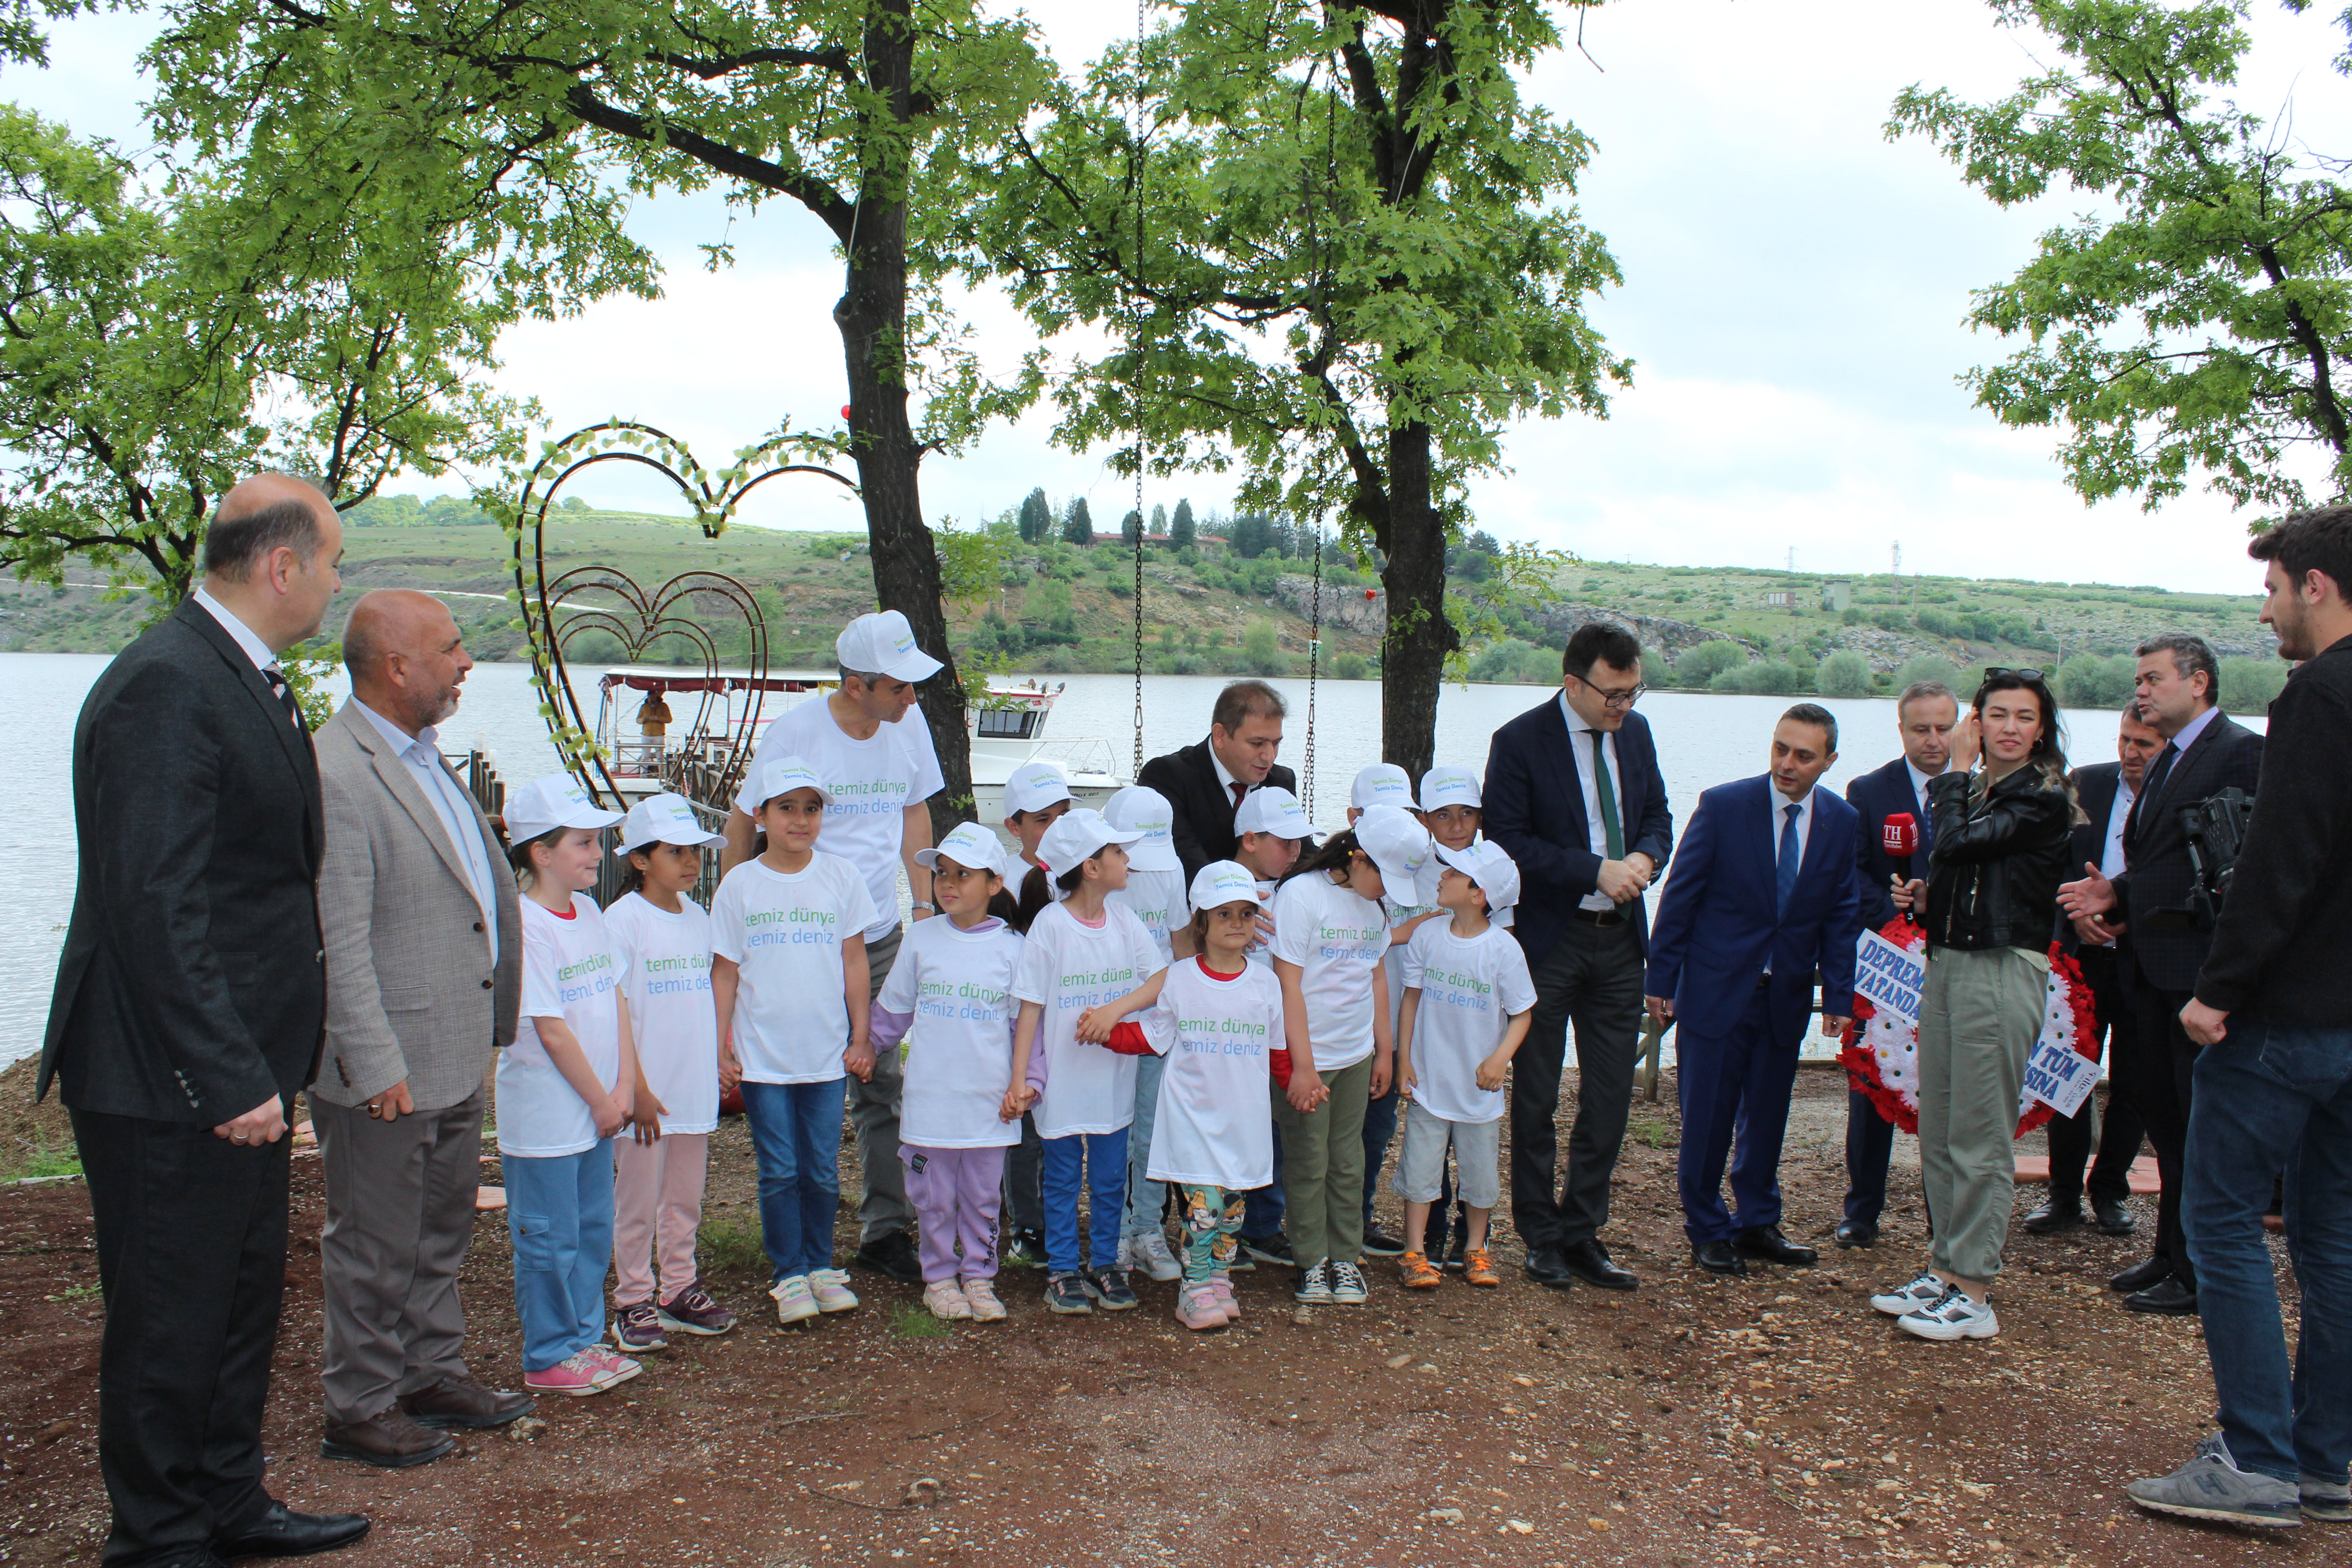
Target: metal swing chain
point(1314, 659)
point(1136, 347)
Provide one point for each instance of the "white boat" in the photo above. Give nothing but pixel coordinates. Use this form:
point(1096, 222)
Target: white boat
point(650, 745)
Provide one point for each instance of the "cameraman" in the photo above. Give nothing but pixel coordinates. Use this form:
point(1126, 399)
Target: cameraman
point(2273, 1009)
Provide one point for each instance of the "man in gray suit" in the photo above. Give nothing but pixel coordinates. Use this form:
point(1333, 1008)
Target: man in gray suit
point(424, 944)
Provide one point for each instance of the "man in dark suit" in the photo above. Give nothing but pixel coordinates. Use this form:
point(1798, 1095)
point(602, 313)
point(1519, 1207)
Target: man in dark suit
point(2160, 948)
point(1204, 782)
point(2106, 792)
point(1923, 715)
point(1763, 865)
point(1573, 796)
point(189, 1005)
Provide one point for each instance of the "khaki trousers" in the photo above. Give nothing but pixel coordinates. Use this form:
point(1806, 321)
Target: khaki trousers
point(1323, 1169)
point(1978, 1018)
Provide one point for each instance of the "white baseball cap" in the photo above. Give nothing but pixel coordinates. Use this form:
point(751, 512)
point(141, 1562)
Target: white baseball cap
point(1398, 846)
point(1222, 882)
point(1383, 783)
point(778, 775)
point(556, 801)
point(663, 819)
point(1034, 786)
point(1272, 809)
point(969, 844)
point(884, 643)
point(1490, 866)
point(1449, 785)
point(1075, 836)
point(1139, 808)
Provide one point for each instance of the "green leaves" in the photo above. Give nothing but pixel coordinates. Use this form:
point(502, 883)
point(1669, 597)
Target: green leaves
point(2202, 328)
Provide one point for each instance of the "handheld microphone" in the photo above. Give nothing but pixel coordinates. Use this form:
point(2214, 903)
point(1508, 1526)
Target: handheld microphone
point(1899, 837)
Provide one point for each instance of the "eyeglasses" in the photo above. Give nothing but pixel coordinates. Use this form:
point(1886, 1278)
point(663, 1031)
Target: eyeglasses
point(1625, 698)
point(2021, 672)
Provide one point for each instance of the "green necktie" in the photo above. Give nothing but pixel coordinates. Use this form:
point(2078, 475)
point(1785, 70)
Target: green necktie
point(1612, 828)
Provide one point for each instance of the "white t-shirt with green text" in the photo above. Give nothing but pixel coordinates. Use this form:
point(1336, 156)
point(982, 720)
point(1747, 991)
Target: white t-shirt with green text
point(1469, 990)
point(785, 931)
point(1338, 939)
point(958, 985)
point(568, 974)
point(665, 963)
point(1212, 1127)
point(1067, 968)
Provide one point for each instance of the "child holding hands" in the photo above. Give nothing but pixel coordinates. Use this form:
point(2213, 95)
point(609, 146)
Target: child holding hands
point(790, 977)
point(564, 1088)
point(1467, 1008)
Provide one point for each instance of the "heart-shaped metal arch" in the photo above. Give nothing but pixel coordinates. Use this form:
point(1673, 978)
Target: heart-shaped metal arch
point(715, 498)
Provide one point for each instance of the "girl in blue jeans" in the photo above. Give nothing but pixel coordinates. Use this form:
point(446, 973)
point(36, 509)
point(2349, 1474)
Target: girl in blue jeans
point(788, 972)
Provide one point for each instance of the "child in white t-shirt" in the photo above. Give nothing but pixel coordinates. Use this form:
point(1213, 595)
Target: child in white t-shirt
point(564, 1088)
point(788, 932)
point(1451, 810)
point(1272, 826)
point(1154, 894)
point(1385, 784)
point(661, 939)
point(1329, 936)
point(1035, 795)
point(1222, 1016)
point(1467, 1007)
point(1082, 951)
point(949, 999)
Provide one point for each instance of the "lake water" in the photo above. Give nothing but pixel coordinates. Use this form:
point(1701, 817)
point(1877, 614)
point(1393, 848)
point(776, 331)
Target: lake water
point(1703, 741)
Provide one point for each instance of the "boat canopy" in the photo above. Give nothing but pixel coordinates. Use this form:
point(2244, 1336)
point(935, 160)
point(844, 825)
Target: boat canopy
point(686, 678)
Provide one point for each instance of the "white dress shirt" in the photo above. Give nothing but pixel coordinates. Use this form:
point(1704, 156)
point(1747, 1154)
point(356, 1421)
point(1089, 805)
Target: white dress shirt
point(252, 647)
point(1918, 786)
point(1596, 833)
point(449, 803)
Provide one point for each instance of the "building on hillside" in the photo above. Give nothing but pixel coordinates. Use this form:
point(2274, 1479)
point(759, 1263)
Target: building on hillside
point(1837, 597)
point(1781, 599)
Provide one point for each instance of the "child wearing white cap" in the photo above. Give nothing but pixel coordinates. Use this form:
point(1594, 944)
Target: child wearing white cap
point(1467, 1003)
point(1380, 783)
point(1154, 894)
point(1329, 936)
point(661, 939)
point(1082, 951)
point(1034, 794)
point(1271, 827)
point(1224, 1017)
point(1451, 808)
point(1385, 784)
point(949, 999)
point(564, 1088)
point(789, 930)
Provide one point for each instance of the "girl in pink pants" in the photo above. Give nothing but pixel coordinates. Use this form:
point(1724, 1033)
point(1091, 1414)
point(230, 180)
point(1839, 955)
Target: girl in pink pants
point(947, 999)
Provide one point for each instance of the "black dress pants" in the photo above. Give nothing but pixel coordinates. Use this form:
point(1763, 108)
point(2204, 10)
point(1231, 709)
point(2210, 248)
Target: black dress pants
point(191, 1232)
point(2118, 1131)
point(2150, 1069)
point(1591, 977)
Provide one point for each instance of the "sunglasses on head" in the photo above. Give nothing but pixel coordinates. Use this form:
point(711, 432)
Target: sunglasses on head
point(2021, 672)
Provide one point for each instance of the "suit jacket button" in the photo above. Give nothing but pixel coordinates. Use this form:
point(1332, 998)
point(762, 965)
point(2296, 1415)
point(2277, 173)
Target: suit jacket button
point(478, 925)
point(485, 984)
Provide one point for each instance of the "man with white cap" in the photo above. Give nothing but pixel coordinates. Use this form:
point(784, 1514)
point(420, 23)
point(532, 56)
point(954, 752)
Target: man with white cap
point(1385, 784)
point(879, 767)
point(1154, 894)
point(424, 943)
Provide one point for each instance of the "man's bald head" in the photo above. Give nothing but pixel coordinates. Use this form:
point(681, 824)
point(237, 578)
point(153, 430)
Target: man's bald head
point(265, 512)
point(405, 658)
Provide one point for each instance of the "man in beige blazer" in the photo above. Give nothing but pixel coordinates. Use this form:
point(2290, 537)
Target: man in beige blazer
point(424, 940)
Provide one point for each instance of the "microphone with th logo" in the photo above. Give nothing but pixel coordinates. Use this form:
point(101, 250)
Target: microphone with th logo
point(1899, 837)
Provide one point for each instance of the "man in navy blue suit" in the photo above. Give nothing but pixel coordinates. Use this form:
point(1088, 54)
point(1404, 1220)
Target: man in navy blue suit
point(1573, 795)
point(1763, 896)
point(1925, 715)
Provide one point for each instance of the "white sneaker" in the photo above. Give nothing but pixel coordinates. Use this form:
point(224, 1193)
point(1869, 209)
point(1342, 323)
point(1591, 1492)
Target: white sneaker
point(945, 1298)
point(794, 1301)
point(1951, 1317)
point(1348, 1285)
point(1924, 1291)
point(1149, 1252)
point(831, 1289)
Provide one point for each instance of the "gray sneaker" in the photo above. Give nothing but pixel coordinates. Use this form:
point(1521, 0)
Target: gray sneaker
point(2211, 1486)
point(1924, 1291)
point(2328, 1501)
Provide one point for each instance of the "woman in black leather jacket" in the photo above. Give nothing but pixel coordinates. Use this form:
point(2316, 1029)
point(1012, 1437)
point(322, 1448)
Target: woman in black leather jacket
point(2002, 835)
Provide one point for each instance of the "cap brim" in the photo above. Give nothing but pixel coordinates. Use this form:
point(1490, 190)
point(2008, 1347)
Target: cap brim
point(928, 859)
point(522, 833)
point(1460, 859)
point(702, 840)
point(1396, 874)
point(916, 666)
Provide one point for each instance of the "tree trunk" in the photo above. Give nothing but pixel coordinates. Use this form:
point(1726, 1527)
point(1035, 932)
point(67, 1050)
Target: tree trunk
point(1419, 636)
point(872, 316)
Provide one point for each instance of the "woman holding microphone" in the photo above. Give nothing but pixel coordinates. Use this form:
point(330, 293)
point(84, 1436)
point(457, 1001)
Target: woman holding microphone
point(2003, 836)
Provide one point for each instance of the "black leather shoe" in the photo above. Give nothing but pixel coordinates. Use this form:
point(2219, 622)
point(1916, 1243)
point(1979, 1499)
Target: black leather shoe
point(1855, 1233)
point(1546, 1266)
point(1765, 1242)
point(2140, 1276)
point(282, 1533)
point(1379, 1243)
point(1718, 1257)
point(1588, 1261)
point(891, 1254)
point(2167, 1297)
point(2112, 1216)
point(2052, 1217)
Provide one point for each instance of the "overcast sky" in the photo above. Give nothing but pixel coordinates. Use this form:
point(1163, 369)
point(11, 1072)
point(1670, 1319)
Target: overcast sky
point(1794, 291)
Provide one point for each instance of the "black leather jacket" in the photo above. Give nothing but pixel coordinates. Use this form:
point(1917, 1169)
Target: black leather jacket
point(1993, 875)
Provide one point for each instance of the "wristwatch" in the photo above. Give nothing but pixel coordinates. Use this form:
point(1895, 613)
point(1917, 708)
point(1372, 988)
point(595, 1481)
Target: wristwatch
point(927, 904)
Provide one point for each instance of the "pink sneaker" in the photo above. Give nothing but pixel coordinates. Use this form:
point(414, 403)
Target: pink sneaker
point(578, 1376)
point(618, 1369)
point(1197, 1308)
point(1231, 1303)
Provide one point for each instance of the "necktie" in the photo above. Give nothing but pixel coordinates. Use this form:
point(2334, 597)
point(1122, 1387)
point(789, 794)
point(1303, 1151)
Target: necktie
point(284, 693)
point(1926, 821)
point(1613, 830)
point(1240, 789)
point(2152, 787)
point(1790, 853)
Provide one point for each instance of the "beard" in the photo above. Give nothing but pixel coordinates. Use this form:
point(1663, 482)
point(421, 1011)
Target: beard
point(2294, 630)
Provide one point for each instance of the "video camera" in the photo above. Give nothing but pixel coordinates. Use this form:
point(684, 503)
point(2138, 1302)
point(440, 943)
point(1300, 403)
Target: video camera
point(2217, 834)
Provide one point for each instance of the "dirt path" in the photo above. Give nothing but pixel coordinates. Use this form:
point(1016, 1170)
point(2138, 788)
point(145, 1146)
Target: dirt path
point(1695, 1421)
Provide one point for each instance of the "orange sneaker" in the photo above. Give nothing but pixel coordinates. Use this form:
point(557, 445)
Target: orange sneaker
point(1478, 1268)
point(1419, 1273)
